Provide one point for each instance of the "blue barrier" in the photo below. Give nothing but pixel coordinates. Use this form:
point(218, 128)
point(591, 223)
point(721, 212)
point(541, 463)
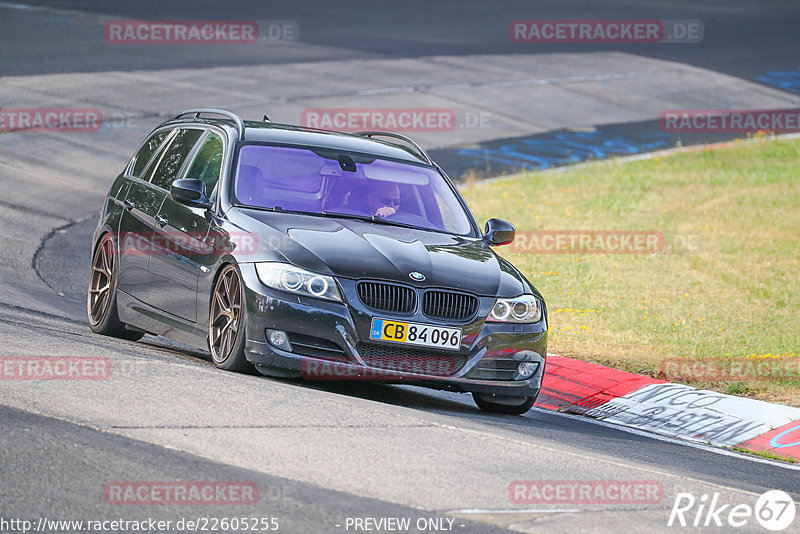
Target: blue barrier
point(538, 153)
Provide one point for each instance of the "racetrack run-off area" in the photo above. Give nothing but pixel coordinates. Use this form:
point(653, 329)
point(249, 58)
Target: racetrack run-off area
point(676, 410)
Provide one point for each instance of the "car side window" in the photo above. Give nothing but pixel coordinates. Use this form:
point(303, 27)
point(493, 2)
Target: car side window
point(146, 152)
point(208, 162)
point(174, 157)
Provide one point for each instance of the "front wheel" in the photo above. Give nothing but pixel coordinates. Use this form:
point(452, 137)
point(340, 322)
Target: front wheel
point(101, 302)
point(506, 405)
point(226, 330)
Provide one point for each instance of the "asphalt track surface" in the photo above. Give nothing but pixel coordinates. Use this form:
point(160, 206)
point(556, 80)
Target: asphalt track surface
point(740, 39)
point(319, 453)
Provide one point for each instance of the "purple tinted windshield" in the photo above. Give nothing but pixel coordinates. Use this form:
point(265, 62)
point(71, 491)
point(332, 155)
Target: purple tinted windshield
point(298, 179)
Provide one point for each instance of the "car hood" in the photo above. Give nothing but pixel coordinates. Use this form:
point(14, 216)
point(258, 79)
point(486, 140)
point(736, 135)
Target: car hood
point(361, 249)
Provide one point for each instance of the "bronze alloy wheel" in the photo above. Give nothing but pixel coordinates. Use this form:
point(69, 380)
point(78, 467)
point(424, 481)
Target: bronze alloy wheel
point(101, 300)
point(101, 281)
point(226, 317)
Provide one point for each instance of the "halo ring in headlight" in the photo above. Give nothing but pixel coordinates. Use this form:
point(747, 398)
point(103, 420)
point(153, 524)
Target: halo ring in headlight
point(520, 310)
point(291, 280)
point(501, 310)
point(317, 286)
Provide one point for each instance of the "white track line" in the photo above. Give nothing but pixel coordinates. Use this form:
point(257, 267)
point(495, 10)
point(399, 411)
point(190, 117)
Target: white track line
point(512, 511)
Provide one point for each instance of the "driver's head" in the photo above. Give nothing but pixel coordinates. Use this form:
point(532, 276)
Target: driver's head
point(383, 194)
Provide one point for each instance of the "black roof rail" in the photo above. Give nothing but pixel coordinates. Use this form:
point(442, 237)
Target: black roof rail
point(237, 120)
point(420, 151)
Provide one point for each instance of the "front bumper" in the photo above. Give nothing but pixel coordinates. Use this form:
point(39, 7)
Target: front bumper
point(332, 343)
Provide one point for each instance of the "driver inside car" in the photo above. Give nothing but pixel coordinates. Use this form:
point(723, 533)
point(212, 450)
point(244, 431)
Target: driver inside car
point(384, 200)
point(380, 199)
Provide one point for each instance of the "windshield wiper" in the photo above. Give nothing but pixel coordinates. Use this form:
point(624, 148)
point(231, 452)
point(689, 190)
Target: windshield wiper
point(278, 209)
point(366, 218)
point(349, 216)
point(373, 219)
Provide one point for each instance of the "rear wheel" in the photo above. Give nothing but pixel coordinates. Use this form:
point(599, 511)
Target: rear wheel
point(101, 302)
point(506, 405)
point(226, 322)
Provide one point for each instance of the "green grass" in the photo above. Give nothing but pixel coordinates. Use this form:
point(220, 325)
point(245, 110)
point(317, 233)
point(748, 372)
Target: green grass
point(737, 388)
point(735, 297)
point(766, 454)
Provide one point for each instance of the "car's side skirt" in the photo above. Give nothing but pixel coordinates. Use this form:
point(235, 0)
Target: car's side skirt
point(136, 313)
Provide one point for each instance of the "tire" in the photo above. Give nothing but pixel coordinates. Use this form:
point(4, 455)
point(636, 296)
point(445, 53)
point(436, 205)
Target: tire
point(505, 405)
point(226, 322)
point(101, 299)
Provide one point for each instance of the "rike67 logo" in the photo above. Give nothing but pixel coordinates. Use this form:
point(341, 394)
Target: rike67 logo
point(773, 510)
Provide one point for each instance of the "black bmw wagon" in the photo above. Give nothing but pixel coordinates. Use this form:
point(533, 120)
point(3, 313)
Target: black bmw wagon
point(316, 254)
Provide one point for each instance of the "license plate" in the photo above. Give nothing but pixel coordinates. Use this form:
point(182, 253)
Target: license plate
point(420, 335)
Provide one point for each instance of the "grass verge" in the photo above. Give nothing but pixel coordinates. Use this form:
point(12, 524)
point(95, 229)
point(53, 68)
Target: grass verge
point(718, 307)
point(766, 454)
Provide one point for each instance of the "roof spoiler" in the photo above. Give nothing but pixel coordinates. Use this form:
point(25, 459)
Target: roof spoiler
point(418, 149)
point(237, 120)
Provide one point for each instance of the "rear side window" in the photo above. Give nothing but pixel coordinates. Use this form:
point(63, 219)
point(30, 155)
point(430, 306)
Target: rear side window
point(174, 157)
point(146, 152)
point(206, 165)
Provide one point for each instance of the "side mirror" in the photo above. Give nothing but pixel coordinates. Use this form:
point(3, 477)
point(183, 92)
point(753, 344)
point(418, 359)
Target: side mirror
point(191, 192)
point(499, 232)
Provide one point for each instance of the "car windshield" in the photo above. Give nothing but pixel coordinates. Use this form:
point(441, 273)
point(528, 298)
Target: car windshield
point(329, 183)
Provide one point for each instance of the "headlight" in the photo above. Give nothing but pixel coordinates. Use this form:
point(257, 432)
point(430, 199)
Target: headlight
point(285, 277)
point(522, 309)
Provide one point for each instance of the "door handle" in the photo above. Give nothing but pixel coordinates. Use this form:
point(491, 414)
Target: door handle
point(161, 220)
point(128, 203)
